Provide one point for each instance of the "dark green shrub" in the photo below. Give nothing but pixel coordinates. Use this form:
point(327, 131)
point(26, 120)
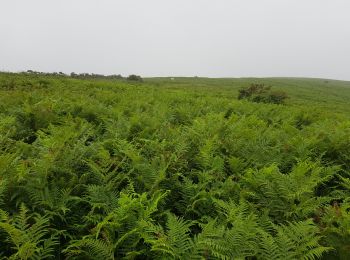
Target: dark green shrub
point(277, 97)
point(262, 94)
point(253, 89)
point(133, 77)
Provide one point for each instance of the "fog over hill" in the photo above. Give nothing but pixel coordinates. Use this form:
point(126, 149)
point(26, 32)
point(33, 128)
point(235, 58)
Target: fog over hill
point(256, 38)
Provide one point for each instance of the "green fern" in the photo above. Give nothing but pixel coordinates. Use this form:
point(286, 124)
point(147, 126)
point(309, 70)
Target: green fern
point(120, 229)
point(90, 249)
point(3, 188)
point(172, 242)
point(29, 235)
point(297, 240)
point(288, 196)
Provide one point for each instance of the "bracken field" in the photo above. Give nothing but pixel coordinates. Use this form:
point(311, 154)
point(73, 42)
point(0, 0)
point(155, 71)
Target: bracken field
point(173, 168)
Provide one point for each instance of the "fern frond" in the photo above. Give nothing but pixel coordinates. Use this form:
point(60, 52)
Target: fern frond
point(98, 249)
point(297, 240)
point(3, 188)
point(173, 242)
point(29, 234)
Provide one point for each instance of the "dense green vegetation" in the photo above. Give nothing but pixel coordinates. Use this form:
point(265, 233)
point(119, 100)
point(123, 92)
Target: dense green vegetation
point(260, 93)
point(173, 169)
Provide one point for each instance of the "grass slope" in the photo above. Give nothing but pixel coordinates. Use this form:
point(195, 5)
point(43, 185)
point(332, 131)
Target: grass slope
point(173, 169)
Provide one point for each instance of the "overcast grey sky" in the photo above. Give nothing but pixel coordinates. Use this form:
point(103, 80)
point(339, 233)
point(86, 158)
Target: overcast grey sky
point(214, 38)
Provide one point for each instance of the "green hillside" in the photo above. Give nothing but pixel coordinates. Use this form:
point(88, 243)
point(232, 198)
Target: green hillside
point(173, 168)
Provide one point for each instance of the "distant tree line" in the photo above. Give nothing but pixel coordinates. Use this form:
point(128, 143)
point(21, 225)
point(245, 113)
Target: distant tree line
point(45, 73)
point(94, 76)
point(131, 77)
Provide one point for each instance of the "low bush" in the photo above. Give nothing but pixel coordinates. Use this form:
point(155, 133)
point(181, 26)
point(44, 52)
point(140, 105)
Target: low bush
point(262, 94)
point(134, 77)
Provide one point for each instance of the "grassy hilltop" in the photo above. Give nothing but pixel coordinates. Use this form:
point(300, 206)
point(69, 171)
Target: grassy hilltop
point(173, 169)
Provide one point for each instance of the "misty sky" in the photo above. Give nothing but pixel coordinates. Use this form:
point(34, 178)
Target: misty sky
point(214, 38)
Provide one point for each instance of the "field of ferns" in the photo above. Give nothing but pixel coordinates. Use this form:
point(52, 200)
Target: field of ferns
point(173, 168)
